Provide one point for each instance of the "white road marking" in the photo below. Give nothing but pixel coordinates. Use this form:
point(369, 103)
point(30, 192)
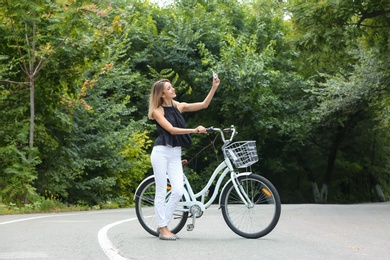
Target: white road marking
point(108, 248)
point(105, 243)
point(23, 255)
point(26, 219)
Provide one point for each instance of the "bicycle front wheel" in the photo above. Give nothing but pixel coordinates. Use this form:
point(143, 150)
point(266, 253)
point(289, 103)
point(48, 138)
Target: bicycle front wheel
point(260, 216)
point(144, 208)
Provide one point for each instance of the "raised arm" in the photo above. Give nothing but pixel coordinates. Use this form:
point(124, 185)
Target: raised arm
point(190, 107)
point(158, 115)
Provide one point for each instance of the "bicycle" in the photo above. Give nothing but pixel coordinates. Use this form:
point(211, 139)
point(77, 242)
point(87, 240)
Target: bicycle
point(250, 204)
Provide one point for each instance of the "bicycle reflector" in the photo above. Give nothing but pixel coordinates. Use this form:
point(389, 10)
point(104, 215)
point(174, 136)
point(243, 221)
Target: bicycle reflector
point(266, 192)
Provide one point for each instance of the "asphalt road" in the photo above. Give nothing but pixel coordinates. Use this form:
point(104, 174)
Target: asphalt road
point(305, 231)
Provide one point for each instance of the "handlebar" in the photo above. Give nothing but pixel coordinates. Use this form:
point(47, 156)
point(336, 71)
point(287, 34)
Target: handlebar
point(231, 130)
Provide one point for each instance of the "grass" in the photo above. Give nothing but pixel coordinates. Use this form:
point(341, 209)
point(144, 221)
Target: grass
point(50, 206)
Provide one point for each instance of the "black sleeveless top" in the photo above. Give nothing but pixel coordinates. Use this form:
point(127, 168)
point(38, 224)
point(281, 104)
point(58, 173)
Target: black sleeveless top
point(173, 115)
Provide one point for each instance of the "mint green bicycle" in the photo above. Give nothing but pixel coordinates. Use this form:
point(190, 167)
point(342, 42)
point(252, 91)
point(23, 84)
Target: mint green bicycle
point(250, 204)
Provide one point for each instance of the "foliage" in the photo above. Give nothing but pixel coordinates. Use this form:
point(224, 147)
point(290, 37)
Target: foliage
point(18, 178)
point(350, 80)
point(308, 80)
point(40, 204)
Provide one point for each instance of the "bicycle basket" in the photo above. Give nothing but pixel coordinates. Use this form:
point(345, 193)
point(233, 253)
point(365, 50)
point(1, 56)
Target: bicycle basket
point(242, 154)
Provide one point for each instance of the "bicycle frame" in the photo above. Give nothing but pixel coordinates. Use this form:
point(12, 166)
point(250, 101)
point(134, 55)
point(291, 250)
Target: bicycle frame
point(191, 198)
point(225, 167)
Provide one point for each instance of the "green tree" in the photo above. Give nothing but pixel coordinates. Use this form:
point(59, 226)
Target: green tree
point(350, 80)
point(27, 21)
point(306, 89)
point(33, 35)
point(94, 160)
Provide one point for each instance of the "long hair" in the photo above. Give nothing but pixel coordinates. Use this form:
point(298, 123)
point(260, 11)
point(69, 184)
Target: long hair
point(155, 98)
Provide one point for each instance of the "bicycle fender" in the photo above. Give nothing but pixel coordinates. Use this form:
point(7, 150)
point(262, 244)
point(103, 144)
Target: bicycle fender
point(148, 178)
point(238, 175)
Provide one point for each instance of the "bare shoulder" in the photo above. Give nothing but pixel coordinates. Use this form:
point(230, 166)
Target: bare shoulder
point(158, 112)
point(180, 105)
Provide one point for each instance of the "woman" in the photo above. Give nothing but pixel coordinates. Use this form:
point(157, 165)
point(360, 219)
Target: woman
point(166, 153)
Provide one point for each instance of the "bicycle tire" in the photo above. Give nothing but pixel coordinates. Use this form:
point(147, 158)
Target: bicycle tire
point(258, 219)
point(144, 208)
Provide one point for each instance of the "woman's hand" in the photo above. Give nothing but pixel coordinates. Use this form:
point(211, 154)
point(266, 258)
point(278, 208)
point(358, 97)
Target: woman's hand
point(216, 81)
point(190, 107)
point(200, 129)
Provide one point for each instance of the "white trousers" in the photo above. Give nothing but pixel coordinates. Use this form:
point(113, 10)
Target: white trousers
point(167, 160)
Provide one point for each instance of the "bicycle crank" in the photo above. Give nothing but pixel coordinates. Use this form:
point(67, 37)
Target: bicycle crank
point(196, 212)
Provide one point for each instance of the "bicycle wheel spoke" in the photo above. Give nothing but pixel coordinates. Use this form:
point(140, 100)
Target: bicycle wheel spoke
point(147, 201)
point(256, 217)
point(146, 213)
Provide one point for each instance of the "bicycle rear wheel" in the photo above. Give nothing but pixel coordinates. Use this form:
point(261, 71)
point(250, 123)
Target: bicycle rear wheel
point(144, 208)
point(259, 217)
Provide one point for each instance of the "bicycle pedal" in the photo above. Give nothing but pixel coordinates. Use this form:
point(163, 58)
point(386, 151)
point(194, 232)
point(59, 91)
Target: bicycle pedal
point(190, 227)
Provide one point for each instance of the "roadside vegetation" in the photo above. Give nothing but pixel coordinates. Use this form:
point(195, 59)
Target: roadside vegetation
point(308, 80)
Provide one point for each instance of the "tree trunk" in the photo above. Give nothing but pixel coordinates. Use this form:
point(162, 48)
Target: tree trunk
point(374, 182)
point(379, 192)
point(32, 113)
point(316, 192)
point(31, 74)
point(324, 193)
point(320, 197)
point(333, 154)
